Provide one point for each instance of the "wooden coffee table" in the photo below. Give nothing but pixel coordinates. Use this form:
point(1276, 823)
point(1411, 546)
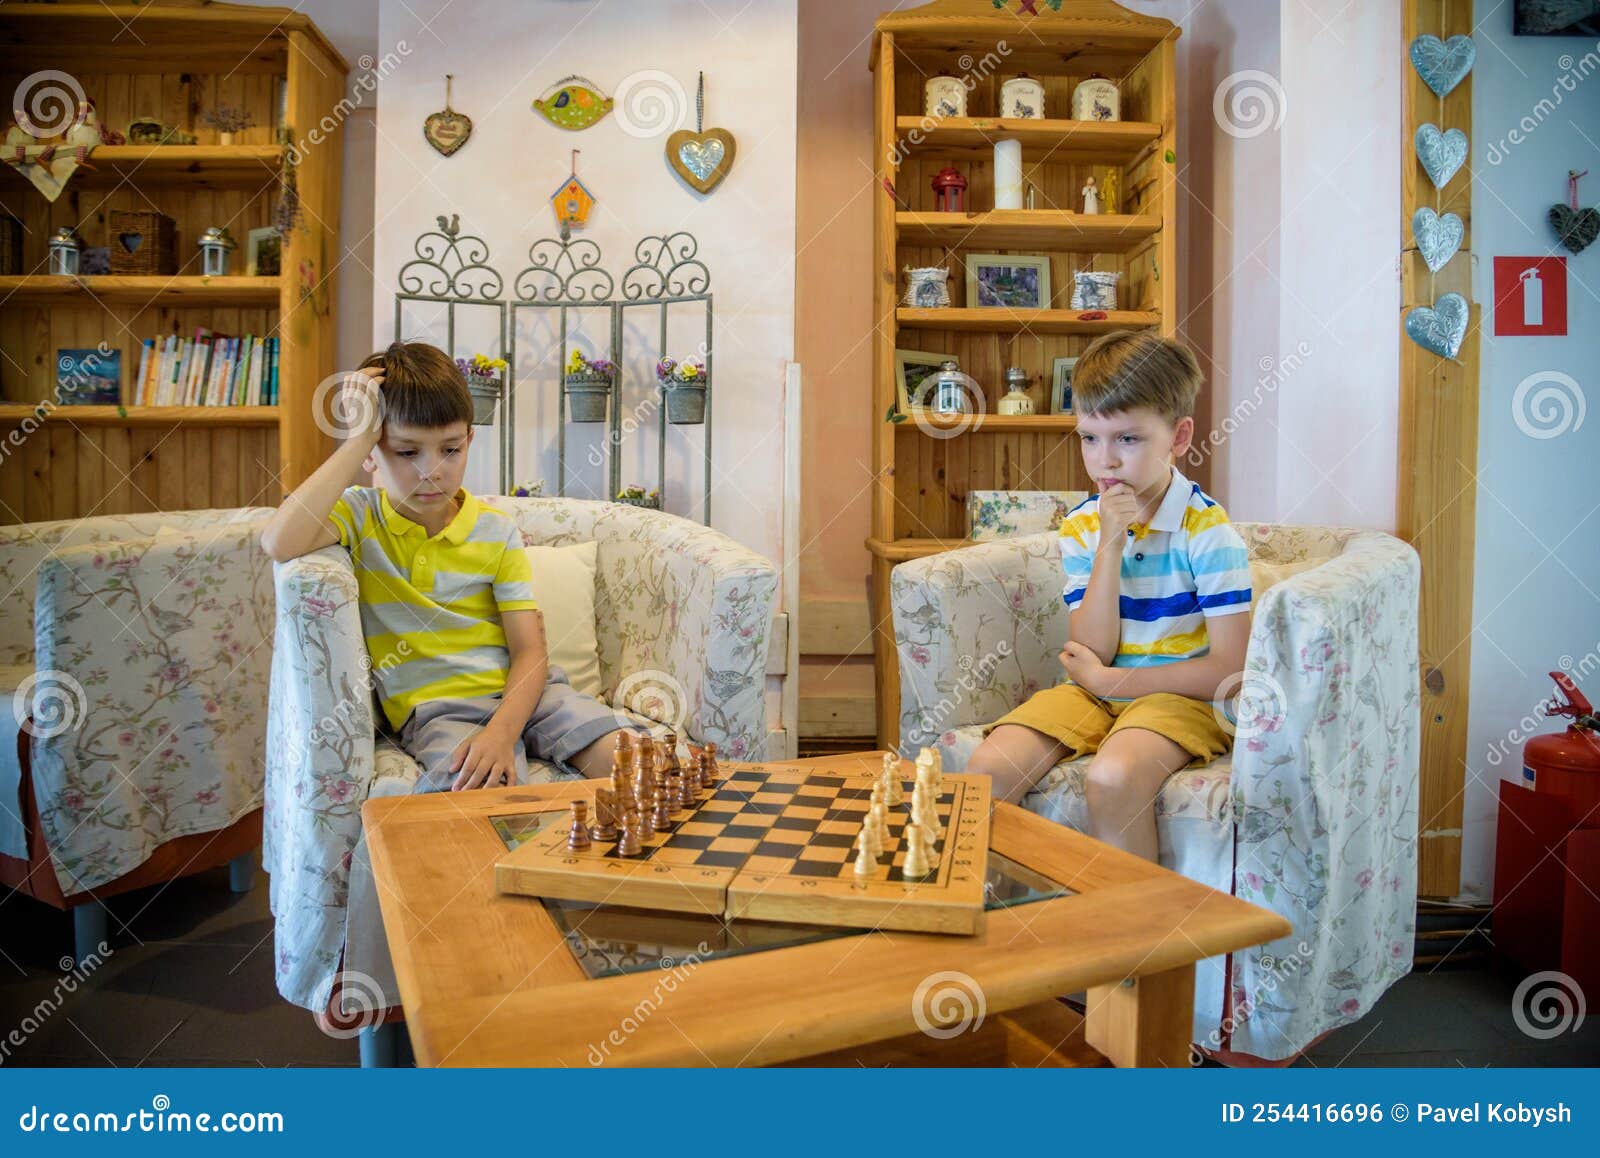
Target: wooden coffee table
point(492, 980)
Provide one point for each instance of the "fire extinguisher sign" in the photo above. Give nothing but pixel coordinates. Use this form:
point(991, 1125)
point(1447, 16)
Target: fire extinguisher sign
point(1530, 296)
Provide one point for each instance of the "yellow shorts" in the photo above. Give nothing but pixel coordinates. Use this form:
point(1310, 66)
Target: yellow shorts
point(1082, 721)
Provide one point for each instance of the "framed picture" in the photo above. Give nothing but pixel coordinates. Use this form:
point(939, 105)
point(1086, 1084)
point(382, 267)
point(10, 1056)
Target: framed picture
point(89, 377)
point(1007, 280)
point(1061, 385)
point(1542, 18)
point(264, 254)
point(914, 371)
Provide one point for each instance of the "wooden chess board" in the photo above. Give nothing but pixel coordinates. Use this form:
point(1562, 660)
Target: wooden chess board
point(777, 842)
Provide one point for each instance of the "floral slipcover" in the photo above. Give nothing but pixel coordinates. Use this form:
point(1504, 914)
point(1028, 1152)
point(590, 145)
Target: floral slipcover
point(1314, 813)
point(672, 597)
point(158, 628)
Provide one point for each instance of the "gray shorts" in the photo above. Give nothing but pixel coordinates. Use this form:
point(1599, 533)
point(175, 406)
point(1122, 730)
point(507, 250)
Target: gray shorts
point(564, 723)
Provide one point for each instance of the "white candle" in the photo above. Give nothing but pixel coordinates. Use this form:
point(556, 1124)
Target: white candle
point(1008, 174)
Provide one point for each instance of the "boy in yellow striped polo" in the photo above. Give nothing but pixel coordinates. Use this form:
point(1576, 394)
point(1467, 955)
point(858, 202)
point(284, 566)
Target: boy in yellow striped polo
point(447, 606)
point(1158, 583)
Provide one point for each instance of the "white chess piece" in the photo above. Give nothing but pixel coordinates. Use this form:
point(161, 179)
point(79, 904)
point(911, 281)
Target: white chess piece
point(925, 811)
point(866, 859)
point(892, 794)
point(878, 818)
point(916, 862)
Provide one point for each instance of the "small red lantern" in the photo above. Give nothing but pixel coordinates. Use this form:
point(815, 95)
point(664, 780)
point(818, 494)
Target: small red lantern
point(949, 191)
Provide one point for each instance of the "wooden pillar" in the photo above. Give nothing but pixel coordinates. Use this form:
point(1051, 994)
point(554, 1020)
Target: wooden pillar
point(1438, 452)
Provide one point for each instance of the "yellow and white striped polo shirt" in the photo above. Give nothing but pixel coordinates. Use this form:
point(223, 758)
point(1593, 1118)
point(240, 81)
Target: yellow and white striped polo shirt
point(430, 607)
point(1186, 566)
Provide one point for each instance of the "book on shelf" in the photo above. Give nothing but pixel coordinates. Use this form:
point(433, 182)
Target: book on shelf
point(208, 369)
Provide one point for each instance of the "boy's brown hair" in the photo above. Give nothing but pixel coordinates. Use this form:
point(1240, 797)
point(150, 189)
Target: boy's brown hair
point(1130, 368)
point(422, 386)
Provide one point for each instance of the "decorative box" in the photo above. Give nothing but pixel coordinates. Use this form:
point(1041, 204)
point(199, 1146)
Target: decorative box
point(1007, 514)
point(1096, 99)
point(1022, 98)
point(143, 241)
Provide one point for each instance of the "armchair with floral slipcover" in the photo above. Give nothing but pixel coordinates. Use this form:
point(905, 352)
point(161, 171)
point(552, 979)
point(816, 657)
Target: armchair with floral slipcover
point(679, 602)
point(135, 649)
point(1314, 813)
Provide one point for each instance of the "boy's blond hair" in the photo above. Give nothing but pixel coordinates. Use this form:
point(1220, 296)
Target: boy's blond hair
point(1131, 368)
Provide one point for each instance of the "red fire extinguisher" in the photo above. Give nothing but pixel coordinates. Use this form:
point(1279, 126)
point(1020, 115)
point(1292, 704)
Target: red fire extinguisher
point(1567, 763)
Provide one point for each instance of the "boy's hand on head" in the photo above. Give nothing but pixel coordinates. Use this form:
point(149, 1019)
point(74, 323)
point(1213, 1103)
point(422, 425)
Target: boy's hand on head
point(1084, 667)
point(1119, 507)
point(485, 760)
point(361, 404)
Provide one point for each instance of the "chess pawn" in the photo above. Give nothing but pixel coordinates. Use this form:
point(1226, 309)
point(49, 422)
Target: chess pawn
point(711, 760)
point(604, 827)
point(892, 794)
point(688, 794)
point(578, 832)
point(916, 862)
point(866, 856)
point(674, 789)
point(924, 813)
point(878, 815)
point(662, 819)
point(628, 841)
point(869, 829)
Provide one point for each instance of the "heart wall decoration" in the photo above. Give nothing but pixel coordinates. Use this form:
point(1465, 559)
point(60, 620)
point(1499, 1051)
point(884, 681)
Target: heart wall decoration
point(1441, 327)
point(1442, 153)
point(447, 130)
point(1438, 236)
point(1443, 64)
point(702, 157)
point(1575, 228)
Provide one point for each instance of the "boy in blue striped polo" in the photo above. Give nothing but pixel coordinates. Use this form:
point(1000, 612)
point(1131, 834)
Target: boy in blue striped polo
point(1158, 583)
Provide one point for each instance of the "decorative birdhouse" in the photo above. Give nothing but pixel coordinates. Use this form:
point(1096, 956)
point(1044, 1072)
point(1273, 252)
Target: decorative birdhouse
point(66, 251)
point(949, 191)
point(572, 201)
point(216, 248)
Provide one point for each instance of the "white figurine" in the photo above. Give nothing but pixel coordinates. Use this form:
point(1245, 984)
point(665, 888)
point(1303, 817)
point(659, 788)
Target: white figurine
point(1091, 197)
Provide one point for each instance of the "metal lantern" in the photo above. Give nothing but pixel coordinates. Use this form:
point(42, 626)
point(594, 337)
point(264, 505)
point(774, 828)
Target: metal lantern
point(66, 251)
point(949, 191)
point(216, 250)
point(950, 390)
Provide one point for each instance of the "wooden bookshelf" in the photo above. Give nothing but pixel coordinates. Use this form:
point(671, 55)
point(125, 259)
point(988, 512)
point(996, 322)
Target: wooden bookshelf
point(171, 61)
point(925, 468)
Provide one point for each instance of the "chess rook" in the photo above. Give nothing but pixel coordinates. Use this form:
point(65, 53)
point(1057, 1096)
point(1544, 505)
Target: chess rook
point(578, 831)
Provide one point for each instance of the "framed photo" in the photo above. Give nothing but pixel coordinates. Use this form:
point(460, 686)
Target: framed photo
point(264, 254)
point(996, 280)
point(1061, 385)
point(914, 372)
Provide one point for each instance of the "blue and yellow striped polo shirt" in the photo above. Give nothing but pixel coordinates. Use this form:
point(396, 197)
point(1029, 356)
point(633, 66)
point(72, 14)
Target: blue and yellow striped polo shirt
point(1187, 564)
point(430, 607)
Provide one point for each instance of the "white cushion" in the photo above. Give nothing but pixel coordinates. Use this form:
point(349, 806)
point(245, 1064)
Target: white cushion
point(563, 586)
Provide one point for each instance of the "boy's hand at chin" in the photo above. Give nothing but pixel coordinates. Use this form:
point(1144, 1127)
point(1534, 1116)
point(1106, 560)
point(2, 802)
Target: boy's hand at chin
point(486, 760)
point(1084, 668)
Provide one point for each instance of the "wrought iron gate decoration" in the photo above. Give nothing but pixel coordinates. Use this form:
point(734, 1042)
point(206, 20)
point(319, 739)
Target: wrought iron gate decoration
point(565, 275)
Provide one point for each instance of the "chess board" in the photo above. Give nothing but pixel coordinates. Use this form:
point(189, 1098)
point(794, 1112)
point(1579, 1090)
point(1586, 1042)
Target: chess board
point(776, 842)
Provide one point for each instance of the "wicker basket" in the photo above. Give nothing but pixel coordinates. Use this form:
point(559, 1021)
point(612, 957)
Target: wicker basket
point(143, 241)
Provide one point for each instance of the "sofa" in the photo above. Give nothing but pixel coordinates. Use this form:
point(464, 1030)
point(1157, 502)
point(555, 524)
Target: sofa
point(1314, 813)
point(135, 651)
point(675, 602)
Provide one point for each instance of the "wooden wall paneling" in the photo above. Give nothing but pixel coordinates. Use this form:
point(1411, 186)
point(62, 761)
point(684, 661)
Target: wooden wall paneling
point(1436, 492)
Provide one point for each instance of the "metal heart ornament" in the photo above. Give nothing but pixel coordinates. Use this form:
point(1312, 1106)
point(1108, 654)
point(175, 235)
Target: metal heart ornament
point(1577, 228)
point(1441, 327)
point(1443, 64)
point(447, 131)
point(1441, 153)
point(701, 159)
point(1438, 237)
